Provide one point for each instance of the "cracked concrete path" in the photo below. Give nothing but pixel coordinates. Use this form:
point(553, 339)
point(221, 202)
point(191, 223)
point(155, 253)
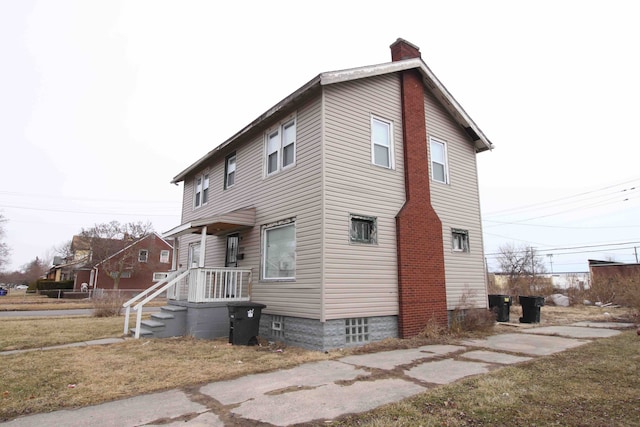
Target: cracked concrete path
point(325, 390)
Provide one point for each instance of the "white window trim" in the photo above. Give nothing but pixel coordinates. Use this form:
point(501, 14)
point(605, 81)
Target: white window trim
point(433, 140)
point(279, 130)
point(374, 232)
point(263, 261)
point(226, 170)
point(168, 257)
point(466, 248)
point(158, 276)
point(203, 177)
point(146, 256)
point(392, 165)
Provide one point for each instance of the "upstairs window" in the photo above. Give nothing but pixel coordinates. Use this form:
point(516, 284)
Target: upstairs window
point(202, 191)
point(439, 168)
point(281, 147)
point(143, 255)
point(230, 171)
point(459, 240)
point(164, 256)
point(363, 229)
point(381, 143)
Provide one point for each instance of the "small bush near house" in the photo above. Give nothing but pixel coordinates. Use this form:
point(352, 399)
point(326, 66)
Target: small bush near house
point(471, 320)
point(108, 305)
point(467, 318)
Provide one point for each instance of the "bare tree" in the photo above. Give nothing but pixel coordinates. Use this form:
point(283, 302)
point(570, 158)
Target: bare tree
point(524, 268)
point(63, 251)
point(111, 246)
point(34, 270)
point(4, 249)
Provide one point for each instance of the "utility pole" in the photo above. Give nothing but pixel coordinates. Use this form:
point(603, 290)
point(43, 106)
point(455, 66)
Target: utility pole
point(533, 269)
point(635, 249)
point(551, 261)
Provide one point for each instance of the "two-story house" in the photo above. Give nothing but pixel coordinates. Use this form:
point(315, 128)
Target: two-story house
point(352, 204)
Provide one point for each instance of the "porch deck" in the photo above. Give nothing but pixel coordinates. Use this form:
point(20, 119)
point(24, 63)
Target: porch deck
point(198, 286)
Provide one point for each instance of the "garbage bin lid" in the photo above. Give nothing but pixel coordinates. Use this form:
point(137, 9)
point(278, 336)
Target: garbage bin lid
point(248, 304)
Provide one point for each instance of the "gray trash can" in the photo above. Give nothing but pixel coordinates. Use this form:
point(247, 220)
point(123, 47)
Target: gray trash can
point(244, 322)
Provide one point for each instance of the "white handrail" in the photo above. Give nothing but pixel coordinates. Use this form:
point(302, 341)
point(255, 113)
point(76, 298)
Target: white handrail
point(169, 281)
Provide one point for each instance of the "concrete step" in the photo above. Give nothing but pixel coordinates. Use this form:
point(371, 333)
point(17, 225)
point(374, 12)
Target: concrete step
point(162, 316)
point(152, 324)
point(172, 308)
point(144, 333)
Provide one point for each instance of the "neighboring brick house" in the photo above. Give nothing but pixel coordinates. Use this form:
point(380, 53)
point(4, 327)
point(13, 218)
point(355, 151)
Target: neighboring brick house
point(149, 260)
point(354, 203)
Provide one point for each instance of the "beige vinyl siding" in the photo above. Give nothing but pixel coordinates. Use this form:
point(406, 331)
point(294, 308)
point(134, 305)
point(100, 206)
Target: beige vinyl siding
point(361, 279)
point(291, 193)
point(458, 206)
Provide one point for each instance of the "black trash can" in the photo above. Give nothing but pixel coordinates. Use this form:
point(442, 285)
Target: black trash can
point(244, 322)
point(530, 309)
point(501, 305)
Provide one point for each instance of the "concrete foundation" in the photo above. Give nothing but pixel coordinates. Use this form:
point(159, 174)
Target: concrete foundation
point(315, 335)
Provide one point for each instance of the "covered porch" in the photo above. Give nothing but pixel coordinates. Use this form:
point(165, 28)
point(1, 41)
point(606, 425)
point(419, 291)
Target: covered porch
point(199, 293)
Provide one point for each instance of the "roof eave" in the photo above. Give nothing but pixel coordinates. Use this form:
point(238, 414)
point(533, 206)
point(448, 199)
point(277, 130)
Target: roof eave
point(302, 91)
point(481, 142)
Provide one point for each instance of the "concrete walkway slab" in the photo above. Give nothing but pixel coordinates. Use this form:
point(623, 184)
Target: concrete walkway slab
point(307, 375)
point(530, 344)
point(134, 411)
point(207, 419)
point(494, 357)
point(573, 331)
point(605, 325)
point(394, 358)
point(326, 402)
point(441, 349)
point(446, 371)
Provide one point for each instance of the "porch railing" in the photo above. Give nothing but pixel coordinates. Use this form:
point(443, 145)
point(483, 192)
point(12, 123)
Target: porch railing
point(148, 295)
point(194, 285)
point(218, 284)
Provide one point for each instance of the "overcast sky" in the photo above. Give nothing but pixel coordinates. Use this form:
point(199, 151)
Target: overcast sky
point(103, 102)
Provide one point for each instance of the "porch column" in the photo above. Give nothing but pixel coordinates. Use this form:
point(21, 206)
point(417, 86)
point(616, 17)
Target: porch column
point(203, 247)
point(174, 254)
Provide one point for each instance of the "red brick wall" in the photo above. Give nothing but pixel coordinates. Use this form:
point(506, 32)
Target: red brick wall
point(421, 277)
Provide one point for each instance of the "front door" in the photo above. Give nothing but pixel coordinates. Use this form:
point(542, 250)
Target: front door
point(232, 251)
point(231, 261)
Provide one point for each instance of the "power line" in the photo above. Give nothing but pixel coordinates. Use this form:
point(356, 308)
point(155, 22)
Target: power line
point(603, 245)
point(561, 199)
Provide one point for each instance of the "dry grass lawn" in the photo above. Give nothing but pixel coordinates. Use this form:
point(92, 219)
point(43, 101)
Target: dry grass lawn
point(19, 300)
point(592, 385)
point(39, 381)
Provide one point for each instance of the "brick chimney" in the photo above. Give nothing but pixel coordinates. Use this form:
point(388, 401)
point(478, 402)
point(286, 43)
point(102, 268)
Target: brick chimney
point(421, 274)
point(402, 49)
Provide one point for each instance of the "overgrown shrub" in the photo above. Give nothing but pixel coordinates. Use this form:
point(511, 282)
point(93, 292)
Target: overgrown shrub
point(616, 289)
point(108, 305)
point(468, 318)
point(49, 285)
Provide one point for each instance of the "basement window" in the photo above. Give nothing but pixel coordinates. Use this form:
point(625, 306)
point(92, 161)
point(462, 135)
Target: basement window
point(277, 326)
point(357, 330)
